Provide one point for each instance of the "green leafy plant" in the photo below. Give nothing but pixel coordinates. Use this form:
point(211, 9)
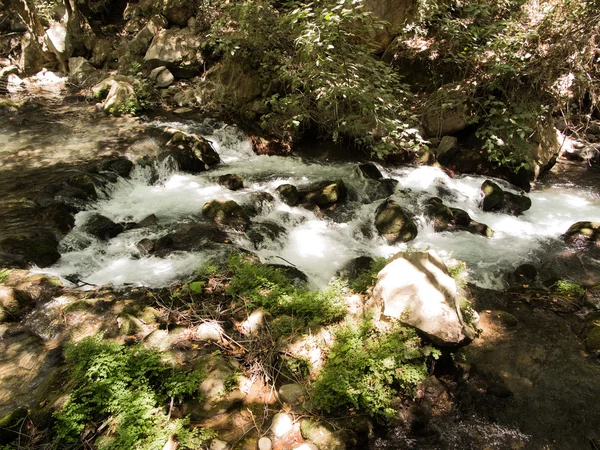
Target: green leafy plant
point(4, 274)
point(367, 369)
point(318, 71)
point(568, 288)
point(121, 393)
point(271, 288)
point(368, 278)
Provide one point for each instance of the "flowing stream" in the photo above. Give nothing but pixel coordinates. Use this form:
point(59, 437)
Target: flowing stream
point(317, 245)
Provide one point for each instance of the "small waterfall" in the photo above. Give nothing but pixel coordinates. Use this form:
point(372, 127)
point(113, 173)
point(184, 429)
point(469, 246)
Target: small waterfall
point(317, 245)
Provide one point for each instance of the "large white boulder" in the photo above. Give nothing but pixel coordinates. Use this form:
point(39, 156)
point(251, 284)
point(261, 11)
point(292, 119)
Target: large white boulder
point(416, 288)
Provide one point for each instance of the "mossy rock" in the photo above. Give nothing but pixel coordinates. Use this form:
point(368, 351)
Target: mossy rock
point(441, 214)
point(231, 181)
point(325, 194)
point(289, 194)
point(394, 224)
point(583, 233)
point(493, 196)
point(10, 425)
point(226, 213)
point(129, 324)
point(79, 306)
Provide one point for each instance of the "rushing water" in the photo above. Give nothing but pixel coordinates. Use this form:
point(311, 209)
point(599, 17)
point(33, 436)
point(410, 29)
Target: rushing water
point(317, 245)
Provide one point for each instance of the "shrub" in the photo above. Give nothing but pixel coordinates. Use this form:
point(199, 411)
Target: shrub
point(368, 278)
point(121, 392)
point(367, 369)
point(272, 289)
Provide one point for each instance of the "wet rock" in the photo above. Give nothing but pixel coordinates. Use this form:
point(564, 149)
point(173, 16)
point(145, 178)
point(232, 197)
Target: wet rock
point(289, 194)
point(292, 393)
point(441, 215)
point(355, 267)
point(61, 215)
point(148, 221)
point(322, 435)
point(226, 213)
point(102, 227)
point(416, 288)
point(394, 224)
point(190, 237)
point(370, 171)
point(192, 153)
point(382, 189)
point(121, 166)
point(260, 202)
point(85, 184)
point(583, 234)
point(325, 194)
point(231, 181)
point(495, 199)
point(146, 246)
point(265, 232)
point(281, 424)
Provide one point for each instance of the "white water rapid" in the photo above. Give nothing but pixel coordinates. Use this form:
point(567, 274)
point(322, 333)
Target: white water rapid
point(318, 246)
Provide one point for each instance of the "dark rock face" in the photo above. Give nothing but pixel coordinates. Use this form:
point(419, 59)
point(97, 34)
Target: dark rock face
point(227, 213)
point(394, 223)
point(231, 181)
point(39, 248)
point(525, 273)
point(102, 227)
point(120, 166)
point(453, 219)
point(583, 234)
point(289, 194)
point(355, 267)
point(325, 194)
point(495, 199)
point(188, 237)
point(370, 171)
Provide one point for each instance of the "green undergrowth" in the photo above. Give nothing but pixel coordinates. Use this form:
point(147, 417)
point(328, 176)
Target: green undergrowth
point(272, 289)
point(120, 398)
point(368, 278)
point(368, 369)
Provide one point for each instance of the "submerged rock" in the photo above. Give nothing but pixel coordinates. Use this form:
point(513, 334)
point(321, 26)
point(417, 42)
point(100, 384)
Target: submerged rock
point(416, 288)
point(227, 213)
point(394, 223)
point(187, 237)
